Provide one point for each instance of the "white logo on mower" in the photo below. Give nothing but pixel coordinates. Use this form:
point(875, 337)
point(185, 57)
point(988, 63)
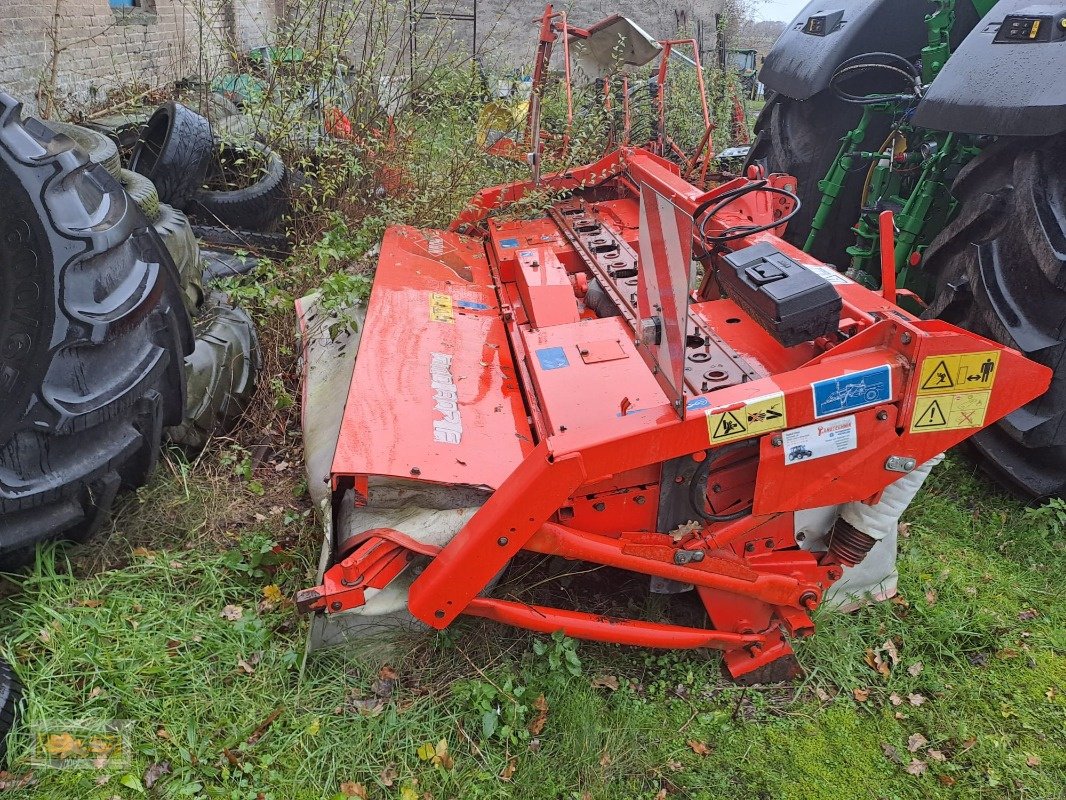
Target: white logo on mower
point(448, 430)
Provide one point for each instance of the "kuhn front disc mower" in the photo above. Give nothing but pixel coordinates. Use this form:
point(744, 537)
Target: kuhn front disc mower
point(648, 378)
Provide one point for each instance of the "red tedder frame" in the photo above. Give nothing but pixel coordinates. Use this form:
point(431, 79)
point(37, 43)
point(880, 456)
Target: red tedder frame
point(757, 585)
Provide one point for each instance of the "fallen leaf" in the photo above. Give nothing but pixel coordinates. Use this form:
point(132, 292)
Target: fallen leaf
point(353, 789)
point(407, 793)
point(605, 682)
point(875, 662)
point(936, 755)
point(901, 601)
point(916, 742)
point(95, 692)
point(904, 529)
point(968, 744)
point(661, 794)
point(162, 733)
point(91, 603)
point(437, 754)
point(916, 699)
point(536, 725)
point(1032, 761)
point(822, 694)
point(917, 767)
point(889, 649)
point(173, 645)
point(946, 780)
point(895, 699)
point(387, 673)
point(143, 552)
point(63, 745)
point(508, 769)
point(891, 753)
point(232, 613)
point(155, 772)
point(10, 781)
point(675, 766)
point(534, 746)
point(931, 597)
point(388, 775)
point(1027, 615)
point(248, 665)
point(861, 695)
point(605, 759)
point(915, 669)
point(698, 747)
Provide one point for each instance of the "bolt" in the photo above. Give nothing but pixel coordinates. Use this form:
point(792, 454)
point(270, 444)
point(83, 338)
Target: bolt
point(749, 547)
point(599, 506)
point(640, 500)
point(416, 471)
point(769, 544)
point(905, 338)
point(801, 536)
point(882, 415)
point(776, 441)
point(716, 488)
point(438, 614)
point(336, 605)
point(809, 600)
point(502, 541)
point(833, 574)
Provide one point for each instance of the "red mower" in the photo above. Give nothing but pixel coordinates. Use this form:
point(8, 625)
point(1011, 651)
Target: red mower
point(647, 377)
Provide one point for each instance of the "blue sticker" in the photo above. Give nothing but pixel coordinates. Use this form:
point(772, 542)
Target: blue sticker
point(508, 243)
point(848, 392)
point(552, 358)
point(471, 305)
point(697, 403)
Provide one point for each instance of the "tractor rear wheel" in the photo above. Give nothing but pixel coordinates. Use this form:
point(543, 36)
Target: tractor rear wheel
point(93, 336)
point(1000, 268)
point(802, 138)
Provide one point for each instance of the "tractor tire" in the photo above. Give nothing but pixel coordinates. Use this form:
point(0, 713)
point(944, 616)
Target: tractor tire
point(142, 191)
point(174, 229)
point(94, 338)
point(1000, 268)
point(259, 207)
point(10, 696)
point(802, 138)
point(267, 245)
point(100, 148)
point(221, 372)
point(174, 152)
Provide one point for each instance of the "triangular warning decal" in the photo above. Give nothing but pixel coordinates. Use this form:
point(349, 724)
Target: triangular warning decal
point(729, 425)
point(939, 378)
point(931, 417)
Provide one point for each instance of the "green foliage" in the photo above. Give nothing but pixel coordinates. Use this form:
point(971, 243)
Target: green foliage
point(1048, 519)
point(560, 651)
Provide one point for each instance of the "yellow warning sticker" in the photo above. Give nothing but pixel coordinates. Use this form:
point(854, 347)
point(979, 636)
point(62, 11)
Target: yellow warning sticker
point(758, 416)
point(440, 308)
point(963, 372)
point(949, 412)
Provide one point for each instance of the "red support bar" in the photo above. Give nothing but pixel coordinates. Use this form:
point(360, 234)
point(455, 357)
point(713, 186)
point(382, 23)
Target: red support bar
point(599, 628)
point(887, 222)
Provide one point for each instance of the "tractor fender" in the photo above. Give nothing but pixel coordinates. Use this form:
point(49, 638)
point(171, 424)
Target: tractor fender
point(1005, 78)
point(825, 34)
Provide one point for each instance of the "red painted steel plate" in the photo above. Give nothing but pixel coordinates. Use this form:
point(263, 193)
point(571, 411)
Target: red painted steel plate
point(434, 394)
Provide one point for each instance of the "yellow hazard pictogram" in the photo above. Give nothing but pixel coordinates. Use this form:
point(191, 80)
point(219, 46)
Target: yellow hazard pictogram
point(762, 415)
point(440, 308)
point(963, 372)
point(949, 412)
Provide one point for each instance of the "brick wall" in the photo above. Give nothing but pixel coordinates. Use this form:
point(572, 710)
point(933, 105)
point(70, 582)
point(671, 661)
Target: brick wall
point(100, 48)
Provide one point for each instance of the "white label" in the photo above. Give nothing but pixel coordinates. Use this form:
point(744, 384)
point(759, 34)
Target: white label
point(820, 440)
point(829, 274)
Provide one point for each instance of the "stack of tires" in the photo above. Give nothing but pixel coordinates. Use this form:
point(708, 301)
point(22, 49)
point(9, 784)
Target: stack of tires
point(108, 342)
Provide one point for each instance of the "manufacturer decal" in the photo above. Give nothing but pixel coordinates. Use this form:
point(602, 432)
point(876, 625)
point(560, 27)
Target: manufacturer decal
point(820, 440)
point(963, 372)
point(755, 417)
point(509, 243)
point(440, 308)
point(949, 412)
point(449, 428)
point(848, 392)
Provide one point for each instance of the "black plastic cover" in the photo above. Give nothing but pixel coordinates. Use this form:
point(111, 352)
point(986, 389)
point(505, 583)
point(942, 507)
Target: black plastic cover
point(804, 58)
point(791, 302)
point(1009, 87)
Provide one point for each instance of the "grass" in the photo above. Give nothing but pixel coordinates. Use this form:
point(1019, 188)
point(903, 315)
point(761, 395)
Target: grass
point(147, 632)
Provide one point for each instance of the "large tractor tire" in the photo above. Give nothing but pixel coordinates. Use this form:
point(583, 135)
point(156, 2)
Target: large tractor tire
point(802, 138)
point(1000, 268)
point(93, 336)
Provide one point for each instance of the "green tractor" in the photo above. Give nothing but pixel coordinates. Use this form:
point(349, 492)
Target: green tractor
point(952, 115)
